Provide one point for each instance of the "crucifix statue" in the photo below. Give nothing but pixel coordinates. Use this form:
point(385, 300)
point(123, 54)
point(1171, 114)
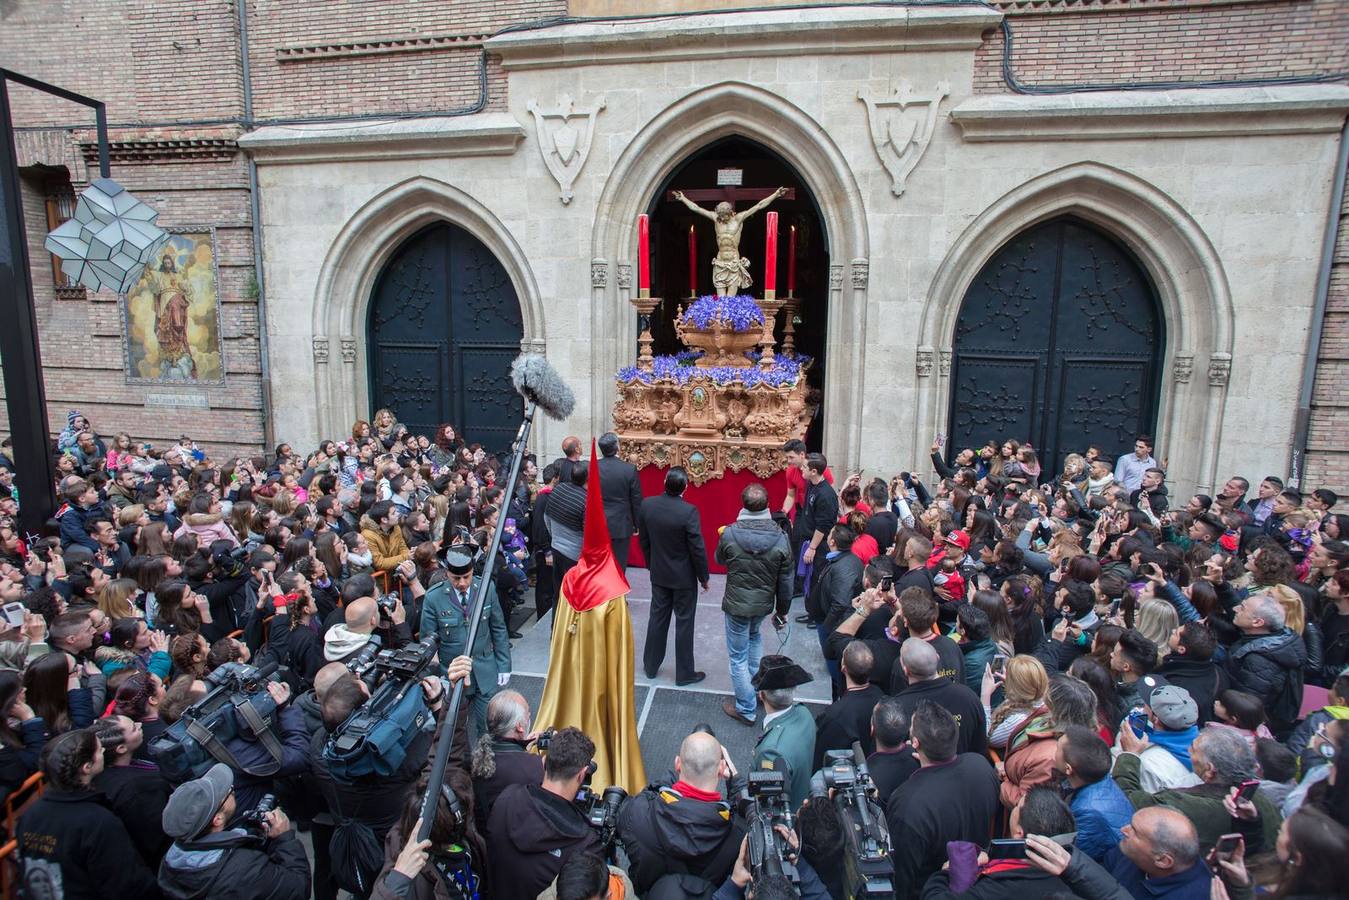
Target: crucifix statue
point(730, 270)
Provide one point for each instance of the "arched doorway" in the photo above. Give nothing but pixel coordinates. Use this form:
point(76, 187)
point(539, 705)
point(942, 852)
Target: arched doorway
point(1058, 342)
point(758, 170)
point(443, 326)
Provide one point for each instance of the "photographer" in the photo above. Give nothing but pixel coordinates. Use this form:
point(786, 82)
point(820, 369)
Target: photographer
point(534, 829)
point(683, 833)
point(501, 757)
point(363, 618)
point(743, 884)
point(208, 859)
point(372, 801)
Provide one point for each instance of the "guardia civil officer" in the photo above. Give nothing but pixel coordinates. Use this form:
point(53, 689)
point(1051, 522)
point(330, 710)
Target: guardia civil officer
point(787, 744)
point(445, 612)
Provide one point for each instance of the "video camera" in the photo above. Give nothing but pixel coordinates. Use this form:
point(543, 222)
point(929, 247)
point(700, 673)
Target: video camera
point(236, 705)
point(763, 804)
point(868, 870)
point(375, 737)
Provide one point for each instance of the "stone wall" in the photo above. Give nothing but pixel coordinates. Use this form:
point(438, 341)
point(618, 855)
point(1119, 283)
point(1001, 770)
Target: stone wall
point(1328, 439)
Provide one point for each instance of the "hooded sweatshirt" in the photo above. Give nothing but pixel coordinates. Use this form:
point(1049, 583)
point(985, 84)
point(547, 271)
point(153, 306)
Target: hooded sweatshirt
point(234, 864)
point(531, 833)
point(678, 828)
point(341, 642)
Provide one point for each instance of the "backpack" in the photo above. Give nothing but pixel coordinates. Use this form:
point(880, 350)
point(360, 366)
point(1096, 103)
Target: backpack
point(356, 856)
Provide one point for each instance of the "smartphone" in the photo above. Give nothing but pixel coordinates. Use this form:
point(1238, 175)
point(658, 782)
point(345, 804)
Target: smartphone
point(14, 614)
point(1114, 608)
point(1247, 789)
point(1227, 845)
point(941, 439)
point(887, 583)
point(1007, 848)
point(998, 666)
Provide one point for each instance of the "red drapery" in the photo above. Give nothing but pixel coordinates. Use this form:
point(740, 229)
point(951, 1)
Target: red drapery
point(718, 503)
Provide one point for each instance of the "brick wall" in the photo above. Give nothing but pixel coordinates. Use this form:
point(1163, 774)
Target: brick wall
point(1115, 42)
point(1328, 440)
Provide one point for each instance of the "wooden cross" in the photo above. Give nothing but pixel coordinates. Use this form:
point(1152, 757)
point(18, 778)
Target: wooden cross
point(729, 194)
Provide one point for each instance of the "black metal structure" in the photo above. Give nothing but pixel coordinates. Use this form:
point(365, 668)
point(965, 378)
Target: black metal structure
point(25, 394)
point(444, 326)
point(1058, 342)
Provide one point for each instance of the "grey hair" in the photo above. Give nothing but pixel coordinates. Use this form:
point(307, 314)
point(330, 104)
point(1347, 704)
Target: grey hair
point(779, 698)
point(1071, 702)
point(1267, 608)
point(1174, 834)
point(505, 712)
point(1228, 754)
point(919, 658)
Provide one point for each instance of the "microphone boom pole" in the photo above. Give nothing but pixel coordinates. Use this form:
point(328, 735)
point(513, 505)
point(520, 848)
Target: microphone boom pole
point(542, 389)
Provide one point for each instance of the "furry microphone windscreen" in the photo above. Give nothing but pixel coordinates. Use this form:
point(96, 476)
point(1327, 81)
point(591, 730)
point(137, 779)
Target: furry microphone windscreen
point(536, 380)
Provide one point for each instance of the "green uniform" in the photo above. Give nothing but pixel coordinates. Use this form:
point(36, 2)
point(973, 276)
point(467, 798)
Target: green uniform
point(446, 614)
point(788, 746)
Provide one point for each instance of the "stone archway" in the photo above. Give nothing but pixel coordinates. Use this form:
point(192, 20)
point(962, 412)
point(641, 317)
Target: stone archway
point(1183, 264)
point(352, 265)
point(708, 114)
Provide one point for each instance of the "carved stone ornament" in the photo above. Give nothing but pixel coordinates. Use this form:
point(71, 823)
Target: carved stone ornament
point(835, 278)
point(320, 349)
point(861, 270)
point(625, 276)
point(1183, 368)
point(599, 273)
point(1219, 367)
point(901, 128)
point(349, 350)
point(945, 363)
point(924, 362)
point(565, 134)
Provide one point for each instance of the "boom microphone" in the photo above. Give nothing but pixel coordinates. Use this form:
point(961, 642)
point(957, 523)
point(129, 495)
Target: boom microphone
point(536, 380)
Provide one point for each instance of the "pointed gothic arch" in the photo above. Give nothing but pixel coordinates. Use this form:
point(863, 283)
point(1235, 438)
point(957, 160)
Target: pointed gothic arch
point(1191, 284)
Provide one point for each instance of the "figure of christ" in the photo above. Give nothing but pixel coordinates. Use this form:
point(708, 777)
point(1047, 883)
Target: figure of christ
point(730, 270)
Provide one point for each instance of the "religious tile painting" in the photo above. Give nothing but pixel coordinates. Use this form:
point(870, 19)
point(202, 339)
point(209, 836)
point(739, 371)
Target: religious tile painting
point(172, 315)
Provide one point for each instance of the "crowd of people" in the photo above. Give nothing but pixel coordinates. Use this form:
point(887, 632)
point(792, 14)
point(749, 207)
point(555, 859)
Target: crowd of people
point(1064, 684)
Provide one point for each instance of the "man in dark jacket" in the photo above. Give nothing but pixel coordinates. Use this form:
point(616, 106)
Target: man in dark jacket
point(208, 859)
point(501, 757)
point(952, 797)
point(848, 718)
point(758, 561)
point(894, 760)
point(1190, 665)
point(534, 829)
point(622, 492)
point(684, 828)
point(920, 662)
point(672, 541)
point(1267, 660)
point(817, 516)
point(541, 544)
point(81, 503)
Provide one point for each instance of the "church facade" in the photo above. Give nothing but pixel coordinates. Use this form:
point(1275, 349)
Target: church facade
point(987, 251)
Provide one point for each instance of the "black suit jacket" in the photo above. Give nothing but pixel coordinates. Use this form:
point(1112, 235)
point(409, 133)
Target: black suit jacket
point(622, 496)
point(672, 541)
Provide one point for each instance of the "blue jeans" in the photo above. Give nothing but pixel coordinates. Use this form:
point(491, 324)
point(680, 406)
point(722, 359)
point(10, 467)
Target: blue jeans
point(745, 649)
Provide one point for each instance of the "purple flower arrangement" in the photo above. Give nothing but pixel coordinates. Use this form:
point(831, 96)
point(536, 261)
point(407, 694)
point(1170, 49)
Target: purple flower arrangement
point(740, 312)
point(680, 369)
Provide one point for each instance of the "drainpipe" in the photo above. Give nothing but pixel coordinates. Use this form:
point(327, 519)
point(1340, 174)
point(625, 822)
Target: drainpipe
point(1302, 424)
point(255, 214)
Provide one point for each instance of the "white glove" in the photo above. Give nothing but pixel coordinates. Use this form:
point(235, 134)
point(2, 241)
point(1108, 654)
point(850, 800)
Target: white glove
point(503, 679)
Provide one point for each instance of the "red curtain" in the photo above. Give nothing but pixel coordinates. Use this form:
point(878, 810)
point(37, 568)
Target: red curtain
point(718, 503)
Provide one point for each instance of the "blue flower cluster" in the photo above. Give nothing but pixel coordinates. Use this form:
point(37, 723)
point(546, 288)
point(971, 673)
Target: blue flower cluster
point(740, 312)
point(785, 372)
point(803, 359)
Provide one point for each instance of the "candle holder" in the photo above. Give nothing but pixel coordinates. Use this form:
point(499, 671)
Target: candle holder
point(646, 305)
point(770, 305)
point(789, 304)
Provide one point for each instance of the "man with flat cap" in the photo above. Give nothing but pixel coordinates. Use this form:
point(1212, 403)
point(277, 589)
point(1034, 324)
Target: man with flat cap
point(787, 744)
point(445, 612)
point(210, 859)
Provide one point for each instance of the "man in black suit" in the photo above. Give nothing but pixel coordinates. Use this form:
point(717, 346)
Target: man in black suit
point(622, 496)
point(672, 542)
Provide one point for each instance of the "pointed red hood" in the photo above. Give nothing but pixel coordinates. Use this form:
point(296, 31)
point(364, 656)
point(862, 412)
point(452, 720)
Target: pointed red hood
point(596, 579)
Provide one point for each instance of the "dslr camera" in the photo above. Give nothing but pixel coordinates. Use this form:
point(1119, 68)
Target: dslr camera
point(868, 870)
point(252, 820)
point(387, 604)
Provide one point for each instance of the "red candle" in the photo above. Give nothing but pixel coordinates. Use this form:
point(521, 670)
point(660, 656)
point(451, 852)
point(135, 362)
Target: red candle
point(791, 262)
point(693, 262)
point(770, 273)
point(644, 254)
